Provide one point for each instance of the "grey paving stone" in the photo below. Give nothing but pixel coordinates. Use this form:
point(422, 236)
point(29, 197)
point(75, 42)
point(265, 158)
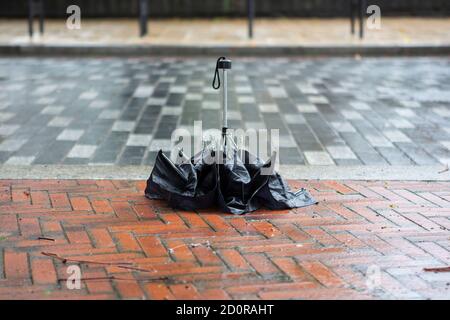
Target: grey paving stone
point(15, 160)
point(171, 111)
point(287, 142)
point(211, 105)
point(358, 105)
point(351, 115)
point(81, 151)
point(371, 158)
point(54, 153)
point(123, 126)
point(394, 156)
point(378, 141)
point(76, 161)
point(255, 125)
point(167, 125)
point(294, 118)
point(12, 144)
point(60, 122)
point(396, 136)
point(419, 156)
point(45, 100)
point(244, 89)
point(5, 116)
point(139, 140)
point(70, 135)
point(109, 114)
point(268, 108)
point(307, 108)
point(343, 126)
point(277, 92)
point(163, 144)
point(318, 99)
point(290, 156)
point(143, 91)
point(234, 115)
point(88, 95)
point(318, 158)
point(408, 113)
point(410, 103)
point(99, 104)
point(341, 152)
point(8, 129)
point(42, 138)
point(132, 155)
point(347, 162)
point(175, 99)
point(446, 144)
point(4, 156)
point(194, 96)
point(402, 123)
point(246, 99)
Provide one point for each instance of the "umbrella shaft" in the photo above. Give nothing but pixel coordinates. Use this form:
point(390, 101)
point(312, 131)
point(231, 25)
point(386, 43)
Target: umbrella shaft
point(225, 98)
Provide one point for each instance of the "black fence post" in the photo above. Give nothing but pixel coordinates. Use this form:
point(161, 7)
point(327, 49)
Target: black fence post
point(41, 16)
point(143, 17)
point(251, 16)
point(35, 7)
point(362, 15)
point(352, 16)
point(30, 18)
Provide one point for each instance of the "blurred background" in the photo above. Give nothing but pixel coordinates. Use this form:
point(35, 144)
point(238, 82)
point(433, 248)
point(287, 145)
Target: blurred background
point(227, 8)
point(347, 82)
point(228, 22)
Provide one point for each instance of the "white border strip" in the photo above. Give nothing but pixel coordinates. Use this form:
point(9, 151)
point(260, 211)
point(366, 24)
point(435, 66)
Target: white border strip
point(113, 172)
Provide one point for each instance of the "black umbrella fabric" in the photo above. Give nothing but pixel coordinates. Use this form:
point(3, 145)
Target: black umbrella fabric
point(226, 176)
point(236, 186)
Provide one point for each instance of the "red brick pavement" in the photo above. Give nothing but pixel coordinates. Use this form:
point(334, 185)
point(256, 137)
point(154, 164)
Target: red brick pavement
point(363, 240)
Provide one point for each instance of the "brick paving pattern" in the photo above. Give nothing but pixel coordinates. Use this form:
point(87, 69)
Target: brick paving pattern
point(342, 111)
point(134, 248)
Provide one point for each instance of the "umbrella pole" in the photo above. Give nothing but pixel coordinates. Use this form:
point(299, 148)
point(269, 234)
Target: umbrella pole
point(224, 104)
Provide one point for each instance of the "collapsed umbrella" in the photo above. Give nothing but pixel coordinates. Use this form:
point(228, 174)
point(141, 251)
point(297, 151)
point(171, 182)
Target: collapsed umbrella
point(222, 175)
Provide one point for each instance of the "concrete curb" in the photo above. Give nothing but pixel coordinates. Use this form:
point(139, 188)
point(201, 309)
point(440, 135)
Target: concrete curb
point(177, 50)
point(407, 173)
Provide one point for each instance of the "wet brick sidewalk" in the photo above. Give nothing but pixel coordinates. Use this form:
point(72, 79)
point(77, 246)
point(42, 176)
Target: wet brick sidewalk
point(363, 240)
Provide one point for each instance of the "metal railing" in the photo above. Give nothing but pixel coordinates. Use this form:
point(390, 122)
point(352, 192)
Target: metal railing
point(36, 8)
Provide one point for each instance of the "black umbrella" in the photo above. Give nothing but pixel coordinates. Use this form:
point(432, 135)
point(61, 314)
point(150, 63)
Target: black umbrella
point(222, 175)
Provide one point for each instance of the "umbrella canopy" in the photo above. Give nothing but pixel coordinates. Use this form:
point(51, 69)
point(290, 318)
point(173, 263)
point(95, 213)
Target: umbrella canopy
point(225, 176)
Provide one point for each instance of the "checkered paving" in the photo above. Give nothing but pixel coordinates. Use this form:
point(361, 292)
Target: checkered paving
point(333, 111)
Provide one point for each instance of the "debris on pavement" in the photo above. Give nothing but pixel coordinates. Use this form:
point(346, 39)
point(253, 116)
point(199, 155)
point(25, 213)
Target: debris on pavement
point(123, 265)
point(117, 278)
point(439, 269)
point(191, 245)
point(445, 169)
point(45, 238)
